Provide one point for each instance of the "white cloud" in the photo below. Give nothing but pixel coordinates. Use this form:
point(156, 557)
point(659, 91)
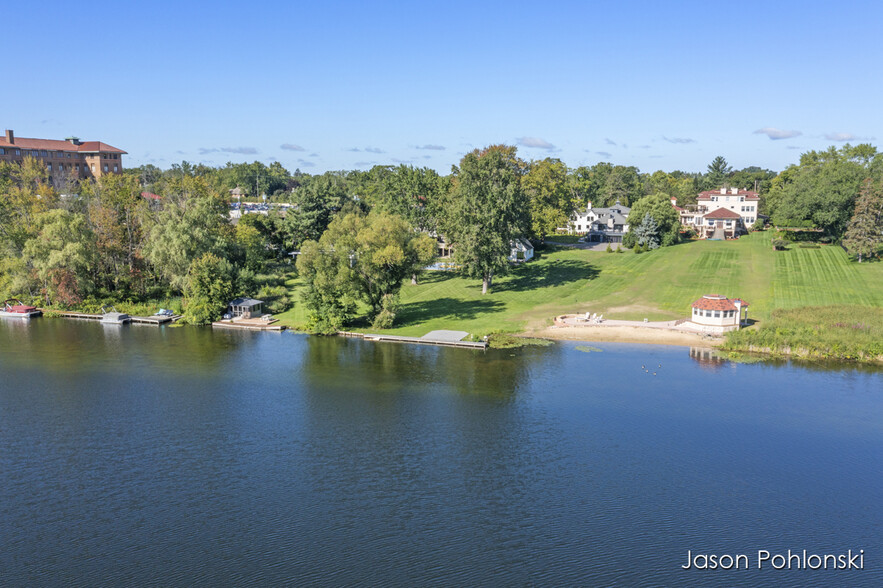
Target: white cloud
point(238, 150)
point(844, 137)
point(777, 134)
point(535, 143)
point(678, 140)
point(604, 154)
point(291, 147)
point(432, 147)
point(374, 150)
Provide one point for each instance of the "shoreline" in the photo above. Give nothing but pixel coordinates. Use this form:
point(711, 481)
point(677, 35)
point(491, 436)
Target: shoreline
point(624, 334)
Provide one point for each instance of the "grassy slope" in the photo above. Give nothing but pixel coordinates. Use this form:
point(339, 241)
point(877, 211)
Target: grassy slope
point(658, 285)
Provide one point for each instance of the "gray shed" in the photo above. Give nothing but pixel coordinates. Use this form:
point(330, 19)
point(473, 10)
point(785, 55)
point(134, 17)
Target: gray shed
point(246, 307)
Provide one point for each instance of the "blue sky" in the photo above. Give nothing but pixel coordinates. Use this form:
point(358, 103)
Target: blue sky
point(343, 85)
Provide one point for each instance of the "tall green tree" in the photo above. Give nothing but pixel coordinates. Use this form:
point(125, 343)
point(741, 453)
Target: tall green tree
point(192, 222)
point(551, 202)
point(365, 256)
point(208, 289)
point(718, 172)
point(486, 210)
point(61, 256)
point(664, 215)
point(822, 190)
point(864, 234)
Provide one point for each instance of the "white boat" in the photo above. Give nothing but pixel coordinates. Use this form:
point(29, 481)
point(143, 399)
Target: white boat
point(14, 308)
point(112, 317)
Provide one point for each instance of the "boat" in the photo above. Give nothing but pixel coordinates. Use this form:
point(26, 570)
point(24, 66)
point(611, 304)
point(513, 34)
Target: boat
point(112, 317)
point(15, 308)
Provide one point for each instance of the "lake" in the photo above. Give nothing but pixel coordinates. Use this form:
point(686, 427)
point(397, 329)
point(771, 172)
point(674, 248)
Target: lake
point(150, 456)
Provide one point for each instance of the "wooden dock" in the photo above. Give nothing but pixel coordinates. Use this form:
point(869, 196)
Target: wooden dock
point(417, 340)
point(142, 320)
point(249, 325)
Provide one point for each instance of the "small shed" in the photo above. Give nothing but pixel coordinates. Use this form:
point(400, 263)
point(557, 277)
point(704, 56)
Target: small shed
point(521, 250)
point(245, 308)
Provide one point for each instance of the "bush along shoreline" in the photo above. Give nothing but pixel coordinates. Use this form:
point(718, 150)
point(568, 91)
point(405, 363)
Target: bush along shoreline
point(849, 333)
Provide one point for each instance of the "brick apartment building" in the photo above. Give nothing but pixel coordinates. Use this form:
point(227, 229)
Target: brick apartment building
point(67, 158)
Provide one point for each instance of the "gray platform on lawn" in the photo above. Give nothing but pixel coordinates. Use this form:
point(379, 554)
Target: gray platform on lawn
point(443, 335)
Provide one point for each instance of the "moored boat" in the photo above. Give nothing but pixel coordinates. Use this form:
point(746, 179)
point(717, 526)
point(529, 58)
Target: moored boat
point(15, 308)
point(112, 317)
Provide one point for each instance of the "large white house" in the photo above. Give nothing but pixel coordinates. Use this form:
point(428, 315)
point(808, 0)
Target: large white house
point(601, 225)
point(721, 214)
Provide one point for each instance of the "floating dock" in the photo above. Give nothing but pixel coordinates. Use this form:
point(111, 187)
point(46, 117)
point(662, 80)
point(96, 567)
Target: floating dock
point(443, 338)
point(143, 320)
point(255, 324)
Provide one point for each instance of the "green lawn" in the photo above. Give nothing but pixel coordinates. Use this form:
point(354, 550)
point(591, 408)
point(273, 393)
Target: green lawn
point(657, 285)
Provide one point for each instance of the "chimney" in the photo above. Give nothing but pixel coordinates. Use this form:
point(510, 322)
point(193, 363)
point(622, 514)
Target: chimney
point(73, 140)
point(10, 137)
point(734, 190)
point(674, 201)
point(723, 190)
point(589, 206)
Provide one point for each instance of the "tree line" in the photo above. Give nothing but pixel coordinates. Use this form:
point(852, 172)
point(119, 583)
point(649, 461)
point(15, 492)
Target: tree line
point(149, 234)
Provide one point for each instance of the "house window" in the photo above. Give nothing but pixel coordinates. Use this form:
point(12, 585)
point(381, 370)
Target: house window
point(18, 151)
point(68, 155)
point(2, 151)
point(105, 168)
point(717, 314)
point(92, 165)
point(49, 167)
point(116, 168)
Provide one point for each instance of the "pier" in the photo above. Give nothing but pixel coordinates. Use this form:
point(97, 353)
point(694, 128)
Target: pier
point(443, 338)
point(143, 320)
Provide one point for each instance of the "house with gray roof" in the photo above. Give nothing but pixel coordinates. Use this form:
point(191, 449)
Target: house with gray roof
point(245, 307)
point(601, 225)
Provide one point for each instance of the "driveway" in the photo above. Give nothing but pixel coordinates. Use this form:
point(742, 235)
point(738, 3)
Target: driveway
point(585, 246)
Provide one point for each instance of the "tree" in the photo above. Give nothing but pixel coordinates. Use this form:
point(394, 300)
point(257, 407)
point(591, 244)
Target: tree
point(208, 290)
point(61, 256)
point(718, 172)
point(486, 210)
point(364, 257)
point(545, 185)
point(115, 213)
point(664, 215)
point(822, 190)
point(647, 233)
point(193, 221)
point(864, 234)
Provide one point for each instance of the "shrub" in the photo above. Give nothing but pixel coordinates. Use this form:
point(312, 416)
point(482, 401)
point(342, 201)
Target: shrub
point(618, 249)
point(629, 240)
point(780, 244)
point(609, 248)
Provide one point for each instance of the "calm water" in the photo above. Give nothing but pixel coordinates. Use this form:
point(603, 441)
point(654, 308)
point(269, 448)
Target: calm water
point(186, 457)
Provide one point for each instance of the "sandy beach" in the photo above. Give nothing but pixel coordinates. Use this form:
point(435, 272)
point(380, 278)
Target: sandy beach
point(624, 334)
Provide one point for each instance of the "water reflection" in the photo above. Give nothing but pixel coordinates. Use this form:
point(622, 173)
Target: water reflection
point(334, 363)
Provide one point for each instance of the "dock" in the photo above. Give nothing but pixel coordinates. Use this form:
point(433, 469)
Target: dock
point(143, 320)
point(251, 324)
point(442, 338)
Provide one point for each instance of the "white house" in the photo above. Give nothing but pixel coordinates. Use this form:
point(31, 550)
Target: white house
point(721, 214)
point(601, 225)
point(522, 250)
point(715, 313)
